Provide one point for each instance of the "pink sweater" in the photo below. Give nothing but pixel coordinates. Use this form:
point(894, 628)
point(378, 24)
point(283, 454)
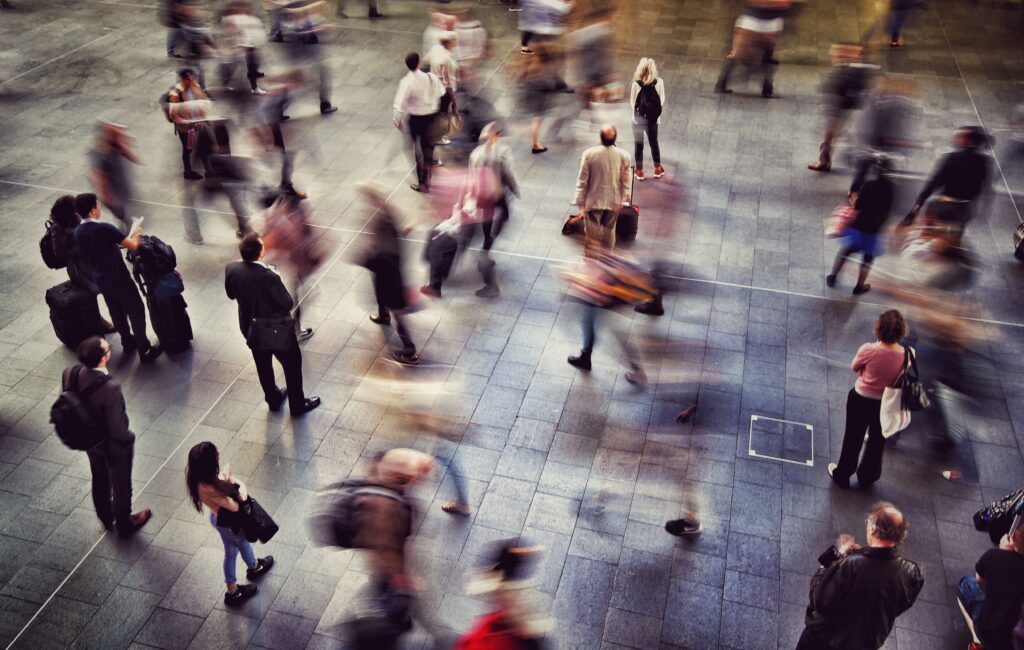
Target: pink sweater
point(877, 368)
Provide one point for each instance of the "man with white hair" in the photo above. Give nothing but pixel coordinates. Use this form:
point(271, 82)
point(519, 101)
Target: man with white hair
point(857, 593)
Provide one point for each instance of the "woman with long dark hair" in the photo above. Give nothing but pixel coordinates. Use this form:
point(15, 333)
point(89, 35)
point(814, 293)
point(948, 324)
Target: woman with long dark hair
point(209, 486)
point(877, 365)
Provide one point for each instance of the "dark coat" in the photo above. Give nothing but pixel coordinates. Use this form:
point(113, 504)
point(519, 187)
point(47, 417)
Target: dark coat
point(855, 601)
point(108, 402)
point(259, 290)
point(385, 262)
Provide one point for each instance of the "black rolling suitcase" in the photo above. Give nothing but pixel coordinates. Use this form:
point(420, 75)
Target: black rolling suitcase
point(170, 322)
point(73, 312)
point(628, 221)
point(153, 265)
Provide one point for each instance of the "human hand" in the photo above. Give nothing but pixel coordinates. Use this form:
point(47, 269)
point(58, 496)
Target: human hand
point(845, 544)
point(1006, 544)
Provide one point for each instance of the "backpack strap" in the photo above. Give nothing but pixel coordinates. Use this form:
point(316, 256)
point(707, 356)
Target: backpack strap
point(93, 387)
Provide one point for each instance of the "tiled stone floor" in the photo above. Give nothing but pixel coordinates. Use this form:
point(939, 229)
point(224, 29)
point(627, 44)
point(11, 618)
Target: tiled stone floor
point(586, 465)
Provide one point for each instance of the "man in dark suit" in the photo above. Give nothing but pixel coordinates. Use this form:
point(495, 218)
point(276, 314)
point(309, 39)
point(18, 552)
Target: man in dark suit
point(110, 461)
point(101, 244)
point(261, 294)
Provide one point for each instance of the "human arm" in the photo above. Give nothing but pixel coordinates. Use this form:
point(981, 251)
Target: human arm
point(131, 242)
point(401, 99)
point(660, 87)
point(228, 284)
point(634, 91)
point(116, 418)
point(936, 180)
point(582, 181)
point(829, 589)
point(860, 360)
point(279, 297)
point(626, 177)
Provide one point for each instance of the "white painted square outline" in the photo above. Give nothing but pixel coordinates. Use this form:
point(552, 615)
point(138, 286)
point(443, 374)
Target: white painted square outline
point(750, 441)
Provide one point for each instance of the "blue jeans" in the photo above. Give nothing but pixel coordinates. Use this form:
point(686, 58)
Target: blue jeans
point(970, 594)
point(896, 20)
point(233, 544)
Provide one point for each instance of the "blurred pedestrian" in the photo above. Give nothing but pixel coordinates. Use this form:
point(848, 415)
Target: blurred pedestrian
point(473, 48)
point(542, 21)
point(110, 173)
point(490, 179)
point(857, 593)
point(440, 24)
point(245, 35)
point(959, 178)
point(755, 36)
point(197, 41)
point(444, 66)
point(289, 229)
point(384, 261)
point(647, 97)
point(110, 462)
point(101, 245)
point(538, 83)
point(899, 10)
point(415, 109)
point(842, 93)
point(170, 17)
point(308, 24)
point(210, 486)
point(888, 124)
point(264, 317)
point(877, 365)
point(873, 205)
point(602, 187)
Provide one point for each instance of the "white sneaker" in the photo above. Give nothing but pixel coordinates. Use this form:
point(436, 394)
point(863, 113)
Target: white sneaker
point(258, 91)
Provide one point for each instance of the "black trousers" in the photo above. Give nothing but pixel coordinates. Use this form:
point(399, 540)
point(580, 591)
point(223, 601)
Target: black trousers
point(862, 414)
point(423, 147)
point(291, 362)
point(202, 149)
point(651, 128)
point(404, 336)
point(125, 306)
point(112, 487)
point(809, 640)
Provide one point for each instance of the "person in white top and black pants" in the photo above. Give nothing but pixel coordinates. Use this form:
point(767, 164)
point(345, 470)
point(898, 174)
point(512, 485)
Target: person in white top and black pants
point(418, 97)
point(647, 114)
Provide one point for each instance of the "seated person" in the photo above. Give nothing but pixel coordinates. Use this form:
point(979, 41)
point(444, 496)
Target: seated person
point(992, 599)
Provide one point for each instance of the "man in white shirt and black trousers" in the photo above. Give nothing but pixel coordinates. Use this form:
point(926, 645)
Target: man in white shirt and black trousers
point(418, 96)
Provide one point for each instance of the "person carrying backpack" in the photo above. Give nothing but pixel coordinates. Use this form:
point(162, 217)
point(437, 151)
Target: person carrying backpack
point(91, 416)
point(647, 97)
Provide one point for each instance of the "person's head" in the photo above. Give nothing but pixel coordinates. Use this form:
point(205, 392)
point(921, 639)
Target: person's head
point(646, 71)
point(846, 53)
point(87, 206)
point(94, 352)
point(448, 40)
point(64, 213)
point(886, 525)
point(251, 247)
point(187, 76)
point(203, 467)
point(969, 137)
point(608, 134)
point(890, 327)
point(412, 60)
point(401, 467)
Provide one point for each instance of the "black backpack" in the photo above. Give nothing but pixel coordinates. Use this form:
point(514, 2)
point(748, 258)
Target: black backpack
point(648, 102)
point(73, 416)
point(53, 246)
point(335, 519)
point(152, 260)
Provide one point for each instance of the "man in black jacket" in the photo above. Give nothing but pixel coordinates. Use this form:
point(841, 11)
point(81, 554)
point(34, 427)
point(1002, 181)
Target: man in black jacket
point(856, 598)
point(111, 461)
point(959, 178)
point(261, 294)
point(100, 244)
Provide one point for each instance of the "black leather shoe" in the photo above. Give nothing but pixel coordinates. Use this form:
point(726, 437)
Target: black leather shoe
point(150, 355)
point(307, 406)
point(380, 320)
point(276, 406)
point(302, 335)
point(326, 108)
point(192, 176)
point(139, 519)
point(582, 361)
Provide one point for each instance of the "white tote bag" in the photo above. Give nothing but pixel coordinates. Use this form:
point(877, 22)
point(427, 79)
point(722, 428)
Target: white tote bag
point(894, 416)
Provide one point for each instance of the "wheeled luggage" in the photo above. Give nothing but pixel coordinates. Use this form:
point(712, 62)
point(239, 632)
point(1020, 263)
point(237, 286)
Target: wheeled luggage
point(153, 265)
point(73, 312)
point(170, 322)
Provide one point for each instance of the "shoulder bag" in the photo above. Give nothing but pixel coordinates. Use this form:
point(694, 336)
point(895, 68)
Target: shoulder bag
point(271, 333)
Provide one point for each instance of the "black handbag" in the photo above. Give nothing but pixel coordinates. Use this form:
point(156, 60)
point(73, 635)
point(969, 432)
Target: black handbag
point(271, 333)
point(914, 396)
point(997, 518)
point(257, 524)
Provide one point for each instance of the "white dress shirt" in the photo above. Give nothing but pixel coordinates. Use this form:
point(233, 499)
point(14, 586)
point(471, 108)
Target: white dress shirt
point(418, 94)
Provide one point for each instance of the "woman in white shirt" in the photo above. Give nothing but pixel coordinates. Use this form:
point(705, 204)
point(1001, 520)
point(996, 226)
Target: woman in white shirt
point(218, 491)
point(647, 97)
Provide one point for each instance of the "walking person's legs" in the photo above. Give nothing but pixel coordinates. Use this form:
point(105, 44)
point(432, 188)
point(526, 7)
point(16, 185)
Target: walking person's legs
point(638, 150)
point(896, 19)
point(101, 498)
point(652, 138)
point(588, 325)
point(837, 264)
point(120, 320)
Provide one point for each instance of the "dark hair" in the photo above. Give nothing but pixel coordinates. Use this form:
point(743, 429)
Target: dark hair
point(890, 327)
point(64, 213)
point(887, 522)
point(976, 136)
point(412, 60)
point(84, 204)
point(185, 72)
point(250, 247)
point(91, 351)
point(204, 467)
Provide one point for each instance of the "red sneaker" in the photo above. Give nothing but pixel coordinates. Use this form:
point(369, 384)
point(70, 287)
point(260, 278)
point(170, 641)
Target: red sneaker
point(639, 174)
point(659, 171)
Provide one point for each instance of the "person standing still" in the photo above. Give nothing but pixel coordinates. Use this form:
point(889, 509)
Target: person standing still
point(857, 593)
point(101, 245)
point(647, 97)
point(261, 294)
point(602, 187)
point(208, 485)
point(416, 107)
point(877, 365)
point(111, 461)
